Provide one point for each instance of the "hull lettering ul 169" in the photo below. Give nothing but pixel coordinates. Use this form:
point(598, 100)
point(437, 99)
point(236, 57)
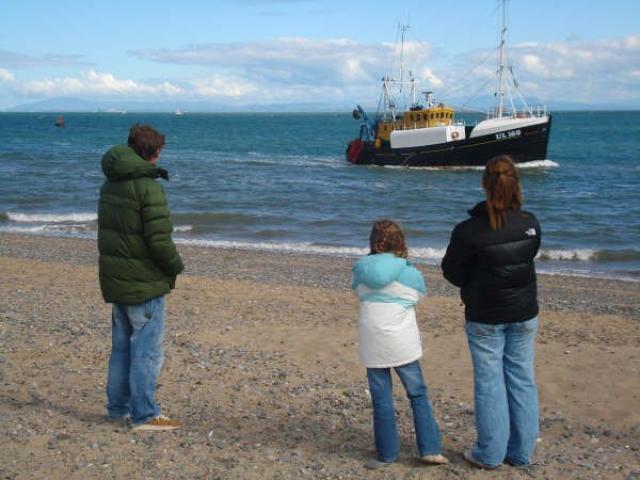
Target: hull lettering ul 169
point(509, 134)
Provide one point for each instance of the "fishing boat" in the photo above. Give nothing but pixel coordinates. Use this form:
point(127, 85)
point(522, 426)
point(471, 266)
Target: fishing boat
point(429, 135)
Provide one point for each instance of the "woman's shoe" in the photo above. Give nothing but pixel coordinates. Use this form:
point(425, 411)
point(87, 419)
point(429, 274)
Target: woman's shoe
point(468, 456)
point(437, 459)
point(375, 464)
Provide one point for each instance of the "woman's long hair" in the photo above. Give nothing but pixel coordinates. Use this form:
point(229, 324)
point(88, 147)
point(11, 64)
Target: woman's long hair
point(386, 237)
point(502, 186)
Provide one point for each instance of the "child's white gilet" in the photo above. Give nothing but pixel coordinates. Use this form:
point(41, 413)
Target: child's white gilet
point(388, 288)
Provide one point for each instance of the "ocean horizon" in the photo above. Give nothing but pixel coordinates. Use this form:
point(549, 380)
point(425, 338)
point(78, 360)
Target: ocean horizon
point(280, 182)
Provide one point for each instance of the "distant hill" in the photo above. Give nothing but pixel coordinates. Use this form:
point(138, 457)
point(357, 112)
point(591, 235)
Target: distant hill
point(64, 104)
point(68, 104)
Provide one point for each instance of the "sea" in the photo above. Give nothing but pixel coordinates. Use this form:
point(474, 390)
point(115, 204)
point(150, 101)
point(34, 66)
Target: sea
point(280, 182)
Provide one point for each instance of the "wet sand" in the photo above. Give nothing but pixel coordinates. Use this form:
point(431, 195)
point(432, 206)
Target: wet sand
point(261, 369)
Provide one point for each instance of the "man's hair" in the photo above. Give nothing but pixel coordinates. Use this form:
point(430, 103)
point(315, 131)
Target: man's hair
point(386, 236)
point(145, 140)
point(502, 186)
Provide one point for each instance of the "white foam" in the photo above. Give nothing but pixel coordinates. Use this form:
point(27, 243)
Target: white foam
point(427, 253)
point(587, 274)
point(538, 164)
point(533, 164)
point(303, 247)
point(52, 217)
point(7, 229)
point(420, 254)
point(583, 255)
point(182, 228)
point(45, 229)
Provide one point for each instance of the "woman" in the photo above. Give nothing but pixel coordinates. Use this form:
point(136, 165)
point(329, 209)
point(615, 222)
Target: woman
point(490, 257)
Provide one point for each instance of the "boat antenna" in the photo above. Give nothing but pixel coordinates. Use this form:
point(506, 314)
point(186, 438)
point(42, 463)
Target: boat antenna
point(501, 59)
point(403, 29)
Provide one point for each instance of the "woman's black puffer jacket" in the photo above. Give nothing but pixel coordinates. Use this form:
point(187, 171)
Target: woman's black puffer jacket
point(494, 268)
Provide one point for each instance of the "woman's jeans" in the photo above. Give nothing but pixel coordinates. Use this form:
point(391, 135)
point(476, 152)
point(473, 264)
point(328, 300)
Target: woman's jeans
point(384, 414)
point(505, 393)
point(136, 359)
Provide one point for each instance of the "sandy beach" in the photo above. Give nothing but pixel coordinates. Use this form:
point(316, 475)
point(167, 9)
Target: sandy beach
point(261, 369)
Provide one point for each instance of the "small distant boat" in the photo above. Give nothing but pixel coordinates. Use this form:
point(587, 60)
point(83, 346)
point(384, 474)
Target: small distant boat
point(59, 121)
point(429, 135)
point(179, 112)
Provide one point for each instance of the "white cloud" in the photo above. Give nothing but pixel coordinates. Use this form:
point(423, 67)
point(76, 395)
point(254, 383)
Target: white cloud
point(573, 70)
point(96, 83)
point(583, 70)
point(221, 86)
point(293, 60)
point(6, 76)
point(429, 78)
point(341, 70)
point(23, 60)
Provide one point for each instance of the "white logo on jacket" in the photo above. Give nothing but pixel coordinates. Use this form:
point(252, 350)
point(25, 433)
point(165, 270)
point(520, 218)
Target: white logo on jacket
point(531, 232)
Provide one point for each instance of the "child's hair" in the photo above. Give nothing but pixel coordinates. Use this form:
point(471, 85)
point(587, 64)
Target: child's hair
point(386, 236)
point(145, 140)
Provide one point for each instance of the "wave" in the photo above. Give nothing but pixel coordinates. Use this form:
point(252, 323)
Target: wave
point(284, 247)
point(552, 262)
point(49, 217)
point(539, 164)
point(429, 255)
point(590, 255)
point(621, 275)
point(584, 255)
point(525, 165)
point(50, 229)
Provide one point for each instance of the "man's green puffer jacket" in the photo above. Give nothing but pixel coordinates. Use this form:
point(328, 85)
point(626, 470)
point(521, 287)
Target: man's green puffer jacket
point(138, 259)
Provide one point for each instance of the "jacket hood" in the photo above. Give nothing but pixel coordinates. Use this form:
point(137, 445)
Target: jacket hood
point(122, 163)
point(376, 271)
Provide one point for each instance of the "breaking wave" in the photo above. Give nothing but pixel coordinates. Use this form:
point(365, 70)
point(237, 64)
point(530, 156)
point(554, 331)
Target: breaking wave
point(49, 217)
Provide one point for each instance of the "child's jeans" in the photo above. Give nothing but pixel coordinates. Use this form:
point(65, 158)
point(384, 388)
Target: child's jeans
point(384, 415)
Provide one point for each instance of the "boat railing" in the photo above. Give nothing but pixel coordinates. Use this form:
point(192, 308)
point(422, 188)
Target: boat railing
point(539, 111)
point(415, 125)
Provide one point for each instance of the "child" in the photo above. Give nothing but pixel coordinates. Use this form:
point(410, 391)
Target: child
point(388, 288)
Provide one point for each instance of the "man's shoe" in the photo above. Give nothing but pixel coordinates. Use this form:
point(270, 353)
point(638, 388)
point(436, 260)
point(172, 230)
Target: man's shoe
point(468, 456)
point(157, 424)
point(123, 421)
point(437, 459)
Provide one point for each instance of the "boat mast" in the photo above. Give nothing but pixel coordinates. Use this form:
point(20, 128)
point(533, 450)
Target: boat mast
point(501, 47)
point(403, 29)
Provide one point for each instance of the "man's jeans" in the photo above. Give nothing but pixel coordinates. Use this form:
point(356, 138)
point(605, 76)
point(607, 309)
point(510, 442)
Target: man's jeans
point(136, 359)
point(384, 414)
point(505, 394)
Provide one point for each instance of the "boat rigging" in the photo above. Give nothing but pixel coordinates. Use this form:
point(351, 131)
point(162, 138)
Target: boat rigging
point(430, 135)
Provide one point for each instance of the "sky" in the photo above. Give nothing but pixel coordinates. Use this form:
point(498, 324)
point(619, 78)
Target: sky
point(332, 53)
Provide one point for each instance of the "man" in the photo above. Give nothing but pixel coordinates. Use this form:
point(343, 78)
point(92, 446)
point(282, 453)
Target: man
point(138, 266)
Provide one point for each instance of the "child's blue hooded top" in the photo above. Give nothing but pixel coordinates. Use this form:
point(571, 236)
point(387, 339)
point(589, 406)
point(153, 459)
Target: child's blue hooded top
point(388, 288)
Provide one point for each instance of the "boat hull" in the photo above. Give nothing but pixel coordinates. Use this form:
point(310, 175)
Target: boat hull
point(523, 144)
